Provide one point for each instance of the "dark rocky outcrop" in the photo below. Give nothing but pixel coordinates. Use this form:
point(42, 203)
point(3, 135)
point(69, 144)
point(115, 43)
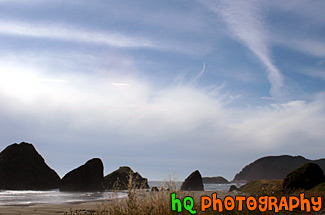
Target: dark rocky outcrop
point(193, 182)
point(215, 180)
point(88, 177)
point(119, 180)
point(305, 177)
point(273, 167)
point(23, 168)
point(154, 189)
point(233, 188)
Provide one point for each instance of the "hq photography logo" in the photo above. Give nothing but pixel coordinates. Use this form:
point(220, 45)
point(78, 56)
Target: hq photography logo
point(262, 203)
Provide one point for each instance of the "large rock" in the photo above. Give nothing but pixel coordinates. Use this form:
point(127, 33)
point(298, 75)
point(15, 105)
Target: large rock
point(233, 188)
point(23, 168)
point(273, 167)
point(193, 182)
point(215, 180)
point(88, 177)
point(119, 180)
point(154, 189)
point(305, 177)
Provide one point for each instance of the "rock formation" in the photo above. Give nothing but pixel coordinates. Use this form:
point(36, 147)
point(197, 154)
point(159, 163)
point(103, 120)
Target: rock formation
point(193, 182)
point(233, 188)
point(154, 189)
point(119, 180)
point(88, 177)
point(273, 167)
point(215, 180)
point(305, 177)
point(23, 168)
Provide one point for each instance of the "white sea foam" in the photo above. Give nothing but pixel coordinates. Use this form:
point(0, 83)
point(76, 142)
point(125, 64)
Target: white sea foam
point(28, 197)
point(207, 187)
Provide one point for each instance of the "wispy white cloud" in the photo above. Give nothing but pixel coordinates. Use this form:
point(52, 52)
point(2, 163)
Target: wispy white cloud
point(22, 1)
point(313, 47)
point(197, 77)
point(69, 33)
point(310, 11)
point(54, 80)
point(120, 84)
point(245, 22)
point(270, 126)
point(315, 73)
point(302, 31)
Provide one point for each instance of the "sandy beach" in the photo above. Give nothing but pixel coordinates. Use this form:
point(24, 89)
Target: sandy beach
point(48, 209)
point(40, 209)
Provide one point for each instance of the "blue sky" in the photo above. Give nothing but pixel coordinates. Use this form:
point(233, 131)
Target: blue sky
point(165, 87)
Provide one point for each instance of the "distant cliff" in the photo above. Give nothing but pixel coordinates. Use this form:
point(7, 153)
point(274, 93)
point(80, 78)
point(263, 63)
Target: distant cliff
point(215, 180)
point(274, 167)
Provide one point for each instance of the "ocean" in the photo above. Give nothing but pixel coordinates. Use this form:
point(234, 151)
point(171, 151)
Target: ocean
point(207, 187)
point(29, 197)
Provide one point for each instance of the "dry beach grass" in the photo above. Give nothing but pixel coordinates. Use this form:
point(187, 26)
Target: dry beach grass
point(159, 203)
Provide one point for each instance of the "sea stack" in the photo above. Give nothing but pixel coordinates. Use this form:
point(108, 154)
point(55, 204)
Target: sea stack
point(193, 182)
point(88, 177)
point(215, 180)
point(23, 168)
point(120, 178)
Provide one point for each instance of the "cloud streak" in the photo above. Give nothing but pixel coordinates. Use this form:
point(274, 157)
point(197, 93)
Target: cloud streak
point(315, 47)
point(71, 33)
point(315, 73)
point(246, 24)
point(68, 33)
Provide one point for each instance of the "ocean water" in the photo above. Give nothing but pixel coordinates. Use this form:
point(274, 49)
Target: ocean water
point(207, 187)
point(29, 197)
point(220, 187)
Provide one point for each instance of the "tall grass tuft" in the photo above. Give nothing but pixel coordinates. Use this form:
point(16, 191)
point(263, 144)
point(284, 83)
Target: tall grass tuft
point(143, 202)
point(138, 202)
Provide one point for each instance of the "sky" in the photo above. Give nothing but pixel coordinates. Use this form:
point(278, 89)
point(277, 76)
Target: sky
point(165, 87)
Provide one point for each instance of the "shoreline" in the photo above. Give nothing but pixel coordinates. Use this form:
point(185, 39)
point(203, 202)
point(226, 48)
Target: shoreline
point(42, 209)
point(63, 203)
point(62, 208)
